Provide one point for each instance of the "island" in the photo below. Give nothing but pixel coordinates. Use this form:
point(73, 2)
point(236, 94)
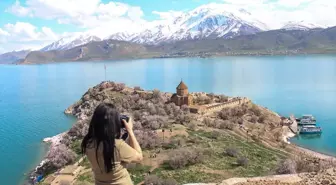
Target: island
point(189, 137)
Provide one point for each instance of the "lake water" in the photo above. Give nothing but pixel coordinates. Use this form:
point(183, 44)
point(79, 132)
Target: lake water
point(33, 97)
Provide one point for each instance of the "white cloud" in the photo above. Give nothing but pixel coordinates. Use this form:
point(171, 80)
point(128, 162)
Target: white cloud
point(19, 10)
point(3, 32)
point(104, 19)
point(22, 35)
point(277, 13)
point(88, 14)
point(169, 15)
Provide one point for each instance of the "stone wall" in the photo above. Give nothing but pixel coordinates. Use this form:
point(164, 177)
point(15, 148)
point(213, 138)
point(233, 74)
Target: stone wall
point(218, 106)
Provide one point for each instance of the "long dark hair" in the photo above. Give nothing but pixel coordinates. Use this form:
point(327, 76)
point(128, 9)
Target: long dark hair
point(104, 128)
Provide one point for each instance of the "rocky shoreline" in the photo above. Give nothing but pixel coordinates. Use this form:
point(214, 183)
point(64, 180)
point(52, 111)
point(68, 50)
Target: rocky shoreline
point(83, 109)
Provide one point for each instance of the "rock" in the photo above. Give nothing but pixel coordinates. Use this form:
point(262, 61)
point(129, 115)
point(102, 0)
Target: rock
point(86, 97)
point(68, 110)
point(325, 182)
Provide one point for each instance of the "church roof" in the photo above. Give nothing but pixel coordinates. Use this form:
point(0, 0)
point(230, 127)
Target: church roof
point(182, 86)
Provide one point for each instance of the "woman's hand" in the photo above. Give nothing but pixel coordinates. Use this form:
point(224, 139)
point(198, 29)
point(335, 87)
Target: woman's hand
point(129, 125)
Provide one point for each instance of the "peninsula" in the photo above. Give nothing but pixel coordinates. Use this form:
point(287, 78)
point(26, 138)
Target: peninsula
point(189, 137)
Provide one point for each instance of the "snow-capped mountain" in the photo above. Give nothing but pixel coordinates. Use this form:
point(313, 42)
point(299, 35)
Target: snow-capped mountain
point(206, 21)
point(71, 42)
point(121, 36)
point(300, 25)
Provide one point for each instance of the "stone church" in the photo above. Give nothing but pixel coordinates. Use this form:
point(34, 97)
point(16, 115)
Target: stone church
point(182, 96)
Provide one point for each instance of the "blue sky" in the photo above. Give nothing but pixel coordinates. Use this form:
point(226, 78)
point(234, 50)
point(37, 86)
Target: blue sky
point(34, 23)
point(147, 6)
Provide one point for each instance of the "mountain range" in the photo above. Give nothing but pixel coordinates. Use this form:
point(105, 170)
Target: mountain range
point(14, 56)
point(207, 21)
point(262, 43)
point(212, 28)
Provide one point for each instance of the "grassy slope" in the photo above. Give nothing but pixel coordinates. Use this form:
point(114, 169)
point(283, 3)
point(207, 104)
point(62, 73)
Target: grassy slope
point(217, 166)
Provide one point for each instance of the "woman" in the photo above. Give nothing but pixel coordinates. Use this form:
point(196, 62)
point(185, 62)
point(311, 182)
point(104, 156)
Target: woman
point(105, 150)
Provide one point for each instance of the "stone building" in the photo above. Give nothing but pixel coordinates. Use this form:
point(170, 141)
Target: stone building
point(182, 96)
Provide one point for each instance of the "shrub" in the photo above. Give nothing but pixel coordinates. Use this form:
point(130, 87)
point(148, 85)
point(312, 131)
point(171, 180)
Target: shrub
point(256, 110)
point(192, 125)
point(147, 139)
point(183, 118)
point(137, 125)
point(138, 88)
point(240, 121)
point(242, 161)
point(60, 156)
point(155, 180)
point(79, 129)
point(155, 122)
point(76, 146)
point(215, 134)
point(223, 98)
point(119, 87)
point(136, 115)
point(307, 164)
point(262, 119)
point(226, 125)
point(224, 114)
point(287, 166)
point(161, 111)
point(232, 152)
point(169, 181)
point(254, 119)
point(152, 180)
point(156, 93)
point(208, 122)
point(184, 157)
point(66, 140)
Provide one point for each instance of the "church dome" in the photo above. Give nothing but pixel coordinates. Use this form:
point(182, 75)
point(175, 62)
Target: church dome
point(182, 86)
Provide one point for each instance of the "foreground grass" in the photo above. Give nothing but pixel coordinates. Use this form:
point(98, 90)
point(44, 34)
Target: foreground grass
point(217, 166)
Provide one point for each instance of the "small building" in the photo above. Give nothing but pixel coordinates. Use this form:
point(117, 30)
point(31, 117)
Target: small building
point(182, 96)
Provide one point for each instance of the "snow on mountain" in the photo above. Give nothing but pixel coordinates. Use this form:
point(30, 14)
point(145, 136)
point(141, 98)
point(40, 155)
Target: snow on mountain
point(71, 42)
point(300, 25)
point(212, 20)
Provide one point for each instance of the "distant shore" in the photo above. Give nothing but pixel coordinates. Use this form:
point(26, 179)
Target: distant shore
point(171, 56)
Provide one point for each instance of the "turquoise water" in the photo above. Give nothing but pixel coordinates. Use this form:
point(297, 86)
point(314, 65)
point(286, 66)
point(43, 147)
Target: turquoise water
point(33, 98)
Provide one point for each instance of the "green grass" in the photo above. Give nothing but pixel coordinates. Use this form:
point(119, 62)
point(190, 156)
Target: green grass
point(262, 160)
point(76, 146)
point(188, 175)
point(85, 163)
point(86, 177)
point(138, 172)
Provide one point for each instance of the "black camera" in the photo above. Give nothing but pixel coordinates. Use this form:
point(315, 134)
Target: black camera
point(126, 118)
point(123, 117)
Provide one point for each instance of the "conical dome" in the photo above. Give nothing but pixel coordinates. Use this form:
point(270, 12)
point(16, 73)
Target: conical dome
point(182, 86)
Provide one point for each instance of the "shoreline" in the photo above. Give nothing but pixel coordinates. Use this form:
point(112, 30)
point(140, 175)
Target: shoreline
point(220, 55)
point(54, 140)
point(289, 134)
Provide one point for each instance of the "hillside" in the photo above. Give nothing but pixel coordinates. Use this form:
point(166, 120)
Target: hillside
point(299, 41)
point(264, 43)
point(13, 57)
point(240, 140)
point(107, 49)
